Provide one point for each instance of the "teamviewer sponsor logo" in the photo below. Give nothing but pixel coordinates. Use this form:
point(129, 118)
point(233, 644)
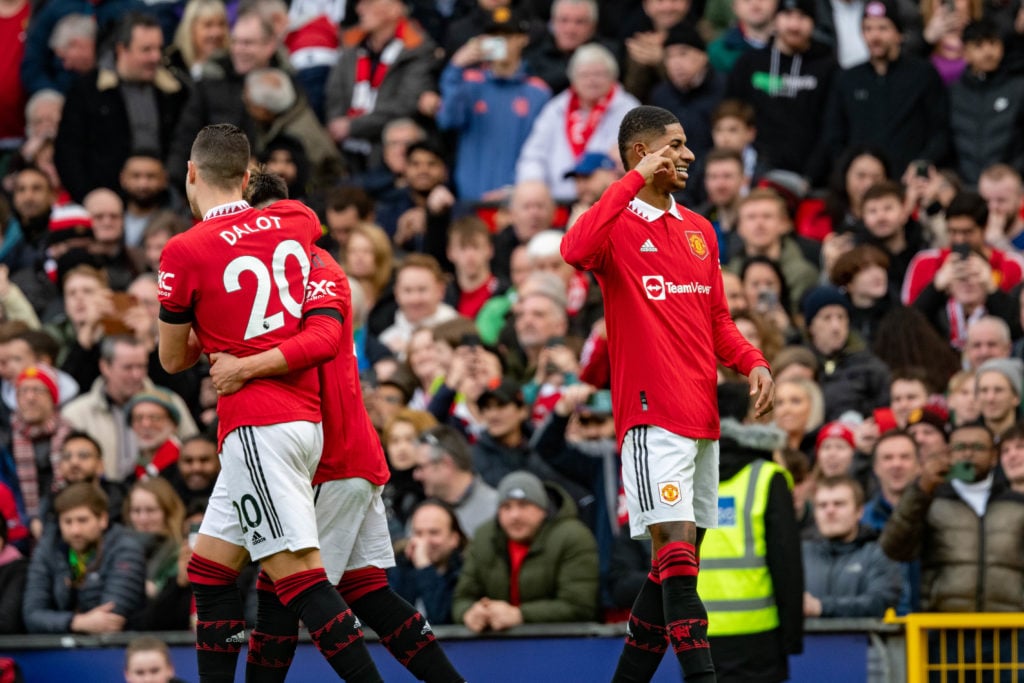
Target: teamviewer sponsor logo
point(657, 288)
point(654, 285)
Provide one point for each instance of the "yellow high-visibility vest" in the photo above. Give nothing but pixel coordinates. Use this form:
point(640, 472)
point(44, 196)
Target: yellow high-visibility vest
point(734, 582)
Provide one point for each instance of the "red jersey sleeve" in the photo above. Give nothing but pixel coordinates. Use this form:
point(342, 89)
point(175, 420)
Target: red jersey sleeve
point(586, 244)
point(176, 284)
point(326, 304)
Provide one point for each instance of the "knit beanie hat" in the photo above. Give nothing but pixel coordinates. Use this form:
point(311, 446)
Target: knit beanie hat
point(930, 415)
point(1011, 368)
point(820, 297)
point(884, 8)
point(41, 373)
point(685, 33)
point(523, 485)
point(158, 397)
point(808, 7)
point(834, 430)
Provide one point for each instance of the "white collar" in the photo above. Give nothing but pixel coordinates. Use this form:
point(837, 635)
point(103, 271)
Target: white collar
point(225, 209)
point(652, 213)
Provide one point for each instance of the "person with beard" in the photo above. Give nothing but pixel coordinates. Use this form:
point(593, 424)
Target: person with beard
point(144, 184)
point(759, 530)
point(89, 578)
point(81, 460)
point(106, 210)
point(787, 83)
point(862, 110)
point(154, 419)
point(118, 111)
point(967, 528)
point(38, 431)
point(196, 470)
point(418, 217)
point(23, 235)
point(725, 184)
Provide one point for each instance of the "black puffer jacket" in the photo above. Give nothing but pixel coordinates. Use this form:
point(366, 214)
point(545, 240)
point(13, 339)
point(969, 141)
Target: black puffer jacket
point(987, 122)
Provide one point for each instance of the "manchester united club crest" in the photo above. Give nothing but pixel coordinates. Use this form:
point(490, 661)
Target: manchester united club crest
point(668, 491)
point(698, 247)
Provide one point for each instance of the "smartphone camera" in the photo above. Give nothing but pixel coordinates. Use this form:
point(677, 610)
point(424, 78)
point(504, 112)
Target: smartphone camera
point(494, 48)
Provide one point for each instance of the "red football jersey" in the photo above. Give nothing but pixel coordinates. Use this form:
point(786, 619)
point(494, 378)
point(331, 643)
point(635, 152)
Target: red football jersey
point(667, 320)
point(351, 445)
point(240, 277)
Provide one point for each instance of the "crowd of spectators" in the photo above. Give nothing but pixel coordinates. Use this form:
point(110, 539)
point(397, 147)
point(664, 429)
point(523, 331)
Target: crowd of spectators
point(859, 160)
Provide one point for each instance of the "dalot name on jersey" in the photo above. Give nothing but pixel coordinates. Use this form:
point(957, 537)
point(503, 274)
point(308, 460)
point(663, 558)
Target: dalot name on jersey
point(237, 232)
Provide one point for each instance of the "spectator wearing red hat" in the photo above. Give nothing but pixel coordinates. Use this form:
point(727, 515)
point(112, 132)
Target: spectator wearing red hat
point(38, 432)
point(834, 450)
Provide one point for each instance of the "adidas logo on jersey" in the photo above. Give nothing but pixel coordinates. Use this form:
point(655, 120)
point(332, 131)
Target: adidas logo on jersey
point(257, 538)
point(426, 628)
point(648, 248)
point(356, 623)
point(237, 638)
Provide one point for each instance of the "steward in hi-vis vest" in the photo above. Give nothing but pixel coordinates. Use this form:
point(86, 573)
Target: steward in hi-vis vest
point(751, 577)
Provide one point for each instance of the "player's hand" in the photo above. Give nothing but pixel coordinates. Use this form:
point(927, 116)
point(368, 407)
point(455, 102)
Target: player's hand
point(477, 617)
point(762, 388)
point(655, 163)
point(227, 373)
point(504, 616)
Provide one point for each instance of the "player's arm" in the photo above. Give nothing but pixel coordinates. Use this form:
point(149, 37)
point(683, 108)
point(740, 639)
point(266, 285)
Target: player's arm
point(586, 243)
point(319, 341)
point(179, 347)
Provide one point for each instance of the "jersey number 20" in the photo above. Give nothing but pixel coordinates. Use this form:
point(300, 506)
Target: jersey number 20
point(259, 323)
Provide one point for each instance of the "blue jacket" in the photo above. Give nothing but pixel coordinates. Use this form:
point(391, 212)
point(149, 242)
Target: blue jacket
point(485, 110)
point(40, 67)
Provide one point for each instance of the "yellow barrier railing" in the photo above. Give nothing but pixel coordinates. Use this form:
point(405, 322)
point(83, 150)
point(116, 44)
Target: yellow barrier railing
point(963, 648)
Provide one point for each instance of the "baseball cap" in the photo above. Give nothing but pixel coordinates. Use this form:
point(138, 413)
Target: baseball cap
point(590, 162)
point(522, 485)
point(506, 20)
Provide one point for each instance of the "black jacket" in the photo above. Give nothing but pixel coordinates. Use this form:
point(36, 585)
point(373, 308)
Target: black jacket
point(789, 93)
point(904, 111)
point(693, 108)
point(987, 122)
point(853, 379)
point(94, 138)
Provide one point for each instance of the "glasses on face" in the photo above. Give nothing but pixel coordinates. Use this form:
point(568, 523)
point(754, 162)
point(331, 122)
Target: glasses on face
point(974, 447)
